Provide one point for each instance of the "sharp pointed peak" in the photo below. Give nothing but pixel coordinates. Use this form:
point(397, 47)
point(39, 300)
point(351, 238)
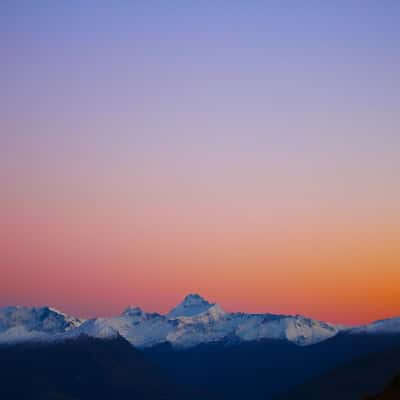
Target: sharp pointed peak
point(192, 304)
point(194, 298)
point(50, 310)
point(133, 311)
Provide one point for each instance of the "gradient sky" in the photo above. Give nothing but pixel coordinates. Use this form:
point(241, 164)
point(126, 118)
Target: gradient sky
point(245, 150)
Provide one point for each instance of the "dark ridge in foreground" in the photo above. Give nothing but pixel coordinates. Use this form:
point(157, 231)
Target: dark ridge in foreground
point(265, 369)
point(84, 368)
point(353, 380)
point(346, 367)
point(391, 392)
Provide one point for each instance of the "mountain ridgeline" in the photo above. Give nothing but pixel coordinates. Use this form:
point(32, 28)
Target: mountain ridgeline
point(197, 350)
point(193, 322)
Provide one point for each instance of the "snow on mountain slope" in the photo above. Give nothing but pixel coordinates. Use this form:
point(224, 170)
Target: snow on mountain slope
point(211, 325)
point(216, 325)
point(28, 323)
point(297, 329)
point(194, 321)
point(192, 304)
point(139, 328)
point(384, 326)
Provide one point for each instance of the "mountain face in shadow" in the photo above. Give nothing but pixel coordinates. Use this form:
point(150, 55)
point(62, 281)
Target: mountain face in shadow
point(263, 369)
point(391, 392)
point(83, 368)
point(353, 380)
point(111, 368)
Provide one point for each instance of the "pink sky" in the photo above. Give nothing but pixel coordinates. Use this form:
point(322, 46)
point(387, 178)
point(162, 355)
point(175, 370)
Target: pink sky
point(246, 152)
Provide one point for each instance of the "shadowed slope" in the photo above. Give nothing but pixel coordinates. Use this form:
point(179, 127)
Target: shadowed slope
point(353, 380)
point(84, 368)
point(391, 392)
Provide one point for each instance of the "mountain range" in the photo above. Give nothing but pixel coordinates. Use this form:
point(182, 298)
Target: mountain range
point(196, 351)
point(195, 321)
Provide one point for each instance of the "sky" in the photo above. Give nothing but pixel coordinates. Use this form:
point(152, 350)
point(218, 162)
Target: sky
point(246, 151)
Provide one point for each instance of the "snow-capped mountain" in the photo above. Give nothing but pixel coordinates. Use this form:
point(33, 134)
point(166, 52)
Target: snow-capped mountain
point(196, 321)
point(384, 326)
point(192, 304)
point(192, 322)
point(138, 327)
point(26, 323)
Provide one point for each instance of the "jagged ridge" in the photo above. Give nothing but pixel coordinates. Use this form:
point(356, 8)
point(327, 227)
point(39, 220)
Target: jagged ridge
point(192, 322)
